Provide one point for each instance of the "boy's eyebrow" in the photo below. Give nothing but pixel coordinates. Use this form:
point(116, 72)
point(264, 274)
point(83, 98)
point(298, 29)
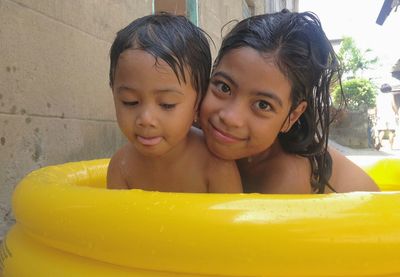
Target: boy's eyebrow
point(169, 90)
point(163, 90)
point(123, 87)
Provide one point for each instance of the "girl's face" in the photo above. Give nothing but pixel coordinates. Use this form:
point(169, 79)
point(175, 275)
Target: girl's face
point(154, 110)
point(246, 106)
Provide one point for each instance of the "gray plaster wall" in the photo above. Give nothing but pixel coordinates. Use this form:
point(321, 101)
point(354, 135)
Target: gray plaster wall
point(214, 15)
point(55, 103)
point(351, 129)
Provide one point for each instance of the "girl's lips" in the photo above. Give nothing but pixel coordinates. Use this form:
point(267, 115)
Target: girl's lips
point(224, 137)
point(149, 141)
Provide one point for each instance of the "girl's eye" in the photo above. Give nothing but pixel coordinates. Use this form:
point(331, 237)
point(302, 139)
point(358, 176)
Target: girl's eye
point(222, 87)
point(168, 106)
point(130, 103)
point(262, 105)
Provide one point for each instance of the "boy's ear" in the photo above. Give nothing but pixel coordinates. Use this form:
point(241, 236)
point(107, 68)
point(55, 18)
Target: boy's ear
point(197, 105)
point(196, 111)
point(196, 119)
point(294, 116)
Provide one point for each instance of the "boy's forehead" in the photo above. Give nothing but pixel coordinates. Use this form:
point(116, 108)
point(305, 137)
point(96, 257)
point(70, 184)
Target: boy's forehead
point(132, 57)
point(135, 64)
point(142, 56)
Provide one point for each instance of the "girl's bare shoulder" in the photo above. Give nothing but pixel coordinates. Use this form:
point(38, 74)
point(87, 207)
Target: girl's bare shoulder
point(283, 173)
point(292, 174)
point(347, 176)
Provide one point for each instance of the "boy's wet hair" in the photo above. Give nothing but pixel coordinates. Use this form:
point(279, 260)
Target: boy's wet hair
point(297, 44)
point(172, 38)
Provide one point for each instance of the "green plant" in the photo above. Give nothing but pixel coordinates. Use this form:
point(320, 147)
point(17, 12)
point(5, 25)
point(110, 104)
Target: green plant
point(358, 92)
point(352, 59)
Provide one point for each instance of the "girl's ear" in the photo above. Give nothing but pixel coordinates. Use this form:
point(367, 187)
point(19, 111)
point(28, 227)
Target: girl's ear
point(294, 116)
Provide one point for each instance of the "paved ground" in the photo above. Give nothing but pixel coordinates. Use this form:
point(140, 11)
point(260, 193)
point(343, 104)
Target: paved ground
point(368, 156)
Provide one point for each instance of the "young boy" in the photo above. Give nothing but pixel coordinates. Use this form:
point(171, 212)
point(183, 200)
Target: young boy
point(159, 72)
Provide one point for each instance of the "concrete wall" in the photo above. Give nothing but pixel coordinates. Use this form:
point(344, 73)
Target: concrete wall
point(55, 103)
point(213, 15)
point(351, 129)
point(217, 18)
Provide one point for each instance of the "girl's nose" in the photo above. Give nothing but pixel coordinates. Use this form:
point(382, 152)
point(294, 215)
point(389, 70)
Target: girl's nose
point(232, 116)
point(146, 118)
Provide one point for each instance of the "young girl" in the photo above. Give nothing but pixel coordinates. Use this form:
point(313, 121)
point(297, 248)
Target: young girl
point(160, 66)
point(268, 103)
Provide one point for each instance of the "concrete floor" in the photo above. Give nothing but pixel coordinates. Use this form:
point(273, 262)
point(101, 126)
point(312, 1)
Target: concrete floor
point(367, 156)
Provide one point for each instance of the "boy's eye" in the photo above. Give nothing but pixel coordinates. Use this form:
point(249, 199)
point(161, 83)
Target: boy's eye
point(167, 106)
point(130, 103)
point(262, 105)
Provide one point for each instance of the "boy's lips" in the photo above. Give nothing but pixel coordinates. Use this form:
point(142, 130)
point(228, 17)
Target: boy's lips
point(149, 141)
point(224, 136)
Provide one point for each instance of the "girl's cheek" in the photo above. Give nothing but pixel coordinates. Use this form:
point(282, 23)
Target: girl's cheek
point(211, 103)
point(205, 105)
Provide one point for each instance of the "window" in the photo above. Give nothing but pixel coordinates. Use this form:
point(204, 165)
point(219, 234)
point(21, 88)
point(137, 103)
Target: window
point(247, 8)
point(188, 8)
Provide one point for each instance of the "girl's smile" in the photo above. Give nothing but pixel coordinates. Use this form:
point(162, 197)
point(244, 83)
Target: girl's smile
point(223, 136)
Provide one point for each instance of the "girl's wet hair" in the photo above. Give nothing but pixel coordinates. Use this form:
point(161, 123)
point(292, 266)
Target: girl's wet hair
point(172, 38)
point(297, 44)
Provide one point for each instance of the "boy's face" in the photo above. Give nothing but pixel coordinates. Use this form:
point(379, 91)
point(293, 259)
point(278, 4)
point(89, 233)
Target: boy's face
point(154, 110)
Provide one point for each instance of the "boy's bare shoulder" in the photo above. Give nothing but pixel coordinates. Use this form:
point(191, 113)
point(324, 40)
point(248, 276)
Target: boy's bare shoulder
point(223, 175)
point(115, 176)
point(198, 144)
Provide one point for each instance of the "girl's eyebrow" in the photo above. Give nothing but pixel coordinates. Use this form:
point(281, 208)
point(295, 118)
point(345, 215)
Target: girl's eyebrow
point(225, 76)
point(271, 95)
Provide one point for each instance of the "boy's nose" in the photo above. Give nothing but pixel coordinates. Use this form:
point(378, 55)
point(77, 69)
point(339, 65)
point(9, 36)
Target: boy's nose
point(146, 118)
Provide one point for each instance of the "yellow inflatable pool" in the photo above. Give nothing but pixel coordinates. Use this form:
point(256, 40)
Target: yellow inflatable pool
point(69, 225)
